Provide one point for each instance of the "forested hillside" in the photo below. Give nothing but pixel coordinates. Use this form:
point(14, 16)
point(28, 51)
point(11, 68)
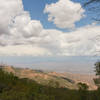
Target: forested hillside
point(14, 88)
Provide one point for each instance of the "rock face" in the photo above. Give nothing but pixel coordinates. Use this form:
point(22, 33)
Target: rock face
point(67, 80)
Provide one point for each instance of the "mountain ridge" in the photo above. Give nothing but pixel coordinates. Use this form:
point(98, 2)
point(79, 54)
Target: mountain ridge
point(66, 80)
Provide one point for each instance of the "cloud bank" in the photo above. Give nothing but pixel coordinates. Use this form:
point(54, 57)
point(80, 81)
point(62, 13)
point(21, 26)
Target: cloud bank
point(20, 35)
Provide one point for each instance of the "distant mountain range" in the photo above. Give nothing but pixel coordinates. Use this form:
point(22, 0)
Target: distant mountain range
point(67, 80)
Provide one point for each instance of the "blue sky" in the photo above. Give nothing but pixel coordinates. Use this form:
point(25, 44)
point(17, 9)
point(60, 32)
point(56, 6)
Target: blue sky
point(36, 10)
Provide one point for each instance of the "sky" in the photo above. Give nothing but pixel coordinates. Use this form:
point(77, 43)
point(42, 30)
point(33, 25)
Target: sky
point(41, 29)
point(38, 6)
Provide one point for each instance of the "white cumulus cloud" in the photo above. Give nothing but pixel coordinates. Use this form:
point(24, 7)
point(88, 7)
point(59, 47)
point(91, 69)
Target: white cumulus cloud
point(64, 13)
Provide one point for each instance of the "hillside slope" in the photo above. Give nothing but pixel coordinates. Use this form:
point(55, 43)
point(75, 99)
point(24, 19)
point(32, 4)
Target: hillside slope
point(67, 80)
point(15, 88)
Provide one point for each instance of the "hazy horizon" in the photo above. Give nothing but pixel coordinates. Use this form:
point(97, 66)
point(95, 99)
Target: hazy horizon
point(79, 64)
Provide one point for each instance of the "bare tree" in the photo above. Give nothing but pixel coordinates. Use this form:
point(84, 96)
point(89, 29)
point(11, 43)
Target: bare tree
point(91, 1)
point(93, 7)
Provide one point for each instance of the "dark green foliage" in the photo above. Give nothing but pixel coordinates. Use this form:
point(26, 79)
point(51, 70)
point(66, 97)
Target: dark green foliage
point(13, 88)
point(54, 84)
point(97, 68)
point(83, 86)
point(97, 71)
point(97, 81)
point(83, 91)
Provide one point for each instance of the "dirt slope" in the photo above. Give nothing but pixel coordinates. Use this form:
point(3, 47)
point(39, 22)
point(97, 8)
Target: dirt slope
point(67, 80)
